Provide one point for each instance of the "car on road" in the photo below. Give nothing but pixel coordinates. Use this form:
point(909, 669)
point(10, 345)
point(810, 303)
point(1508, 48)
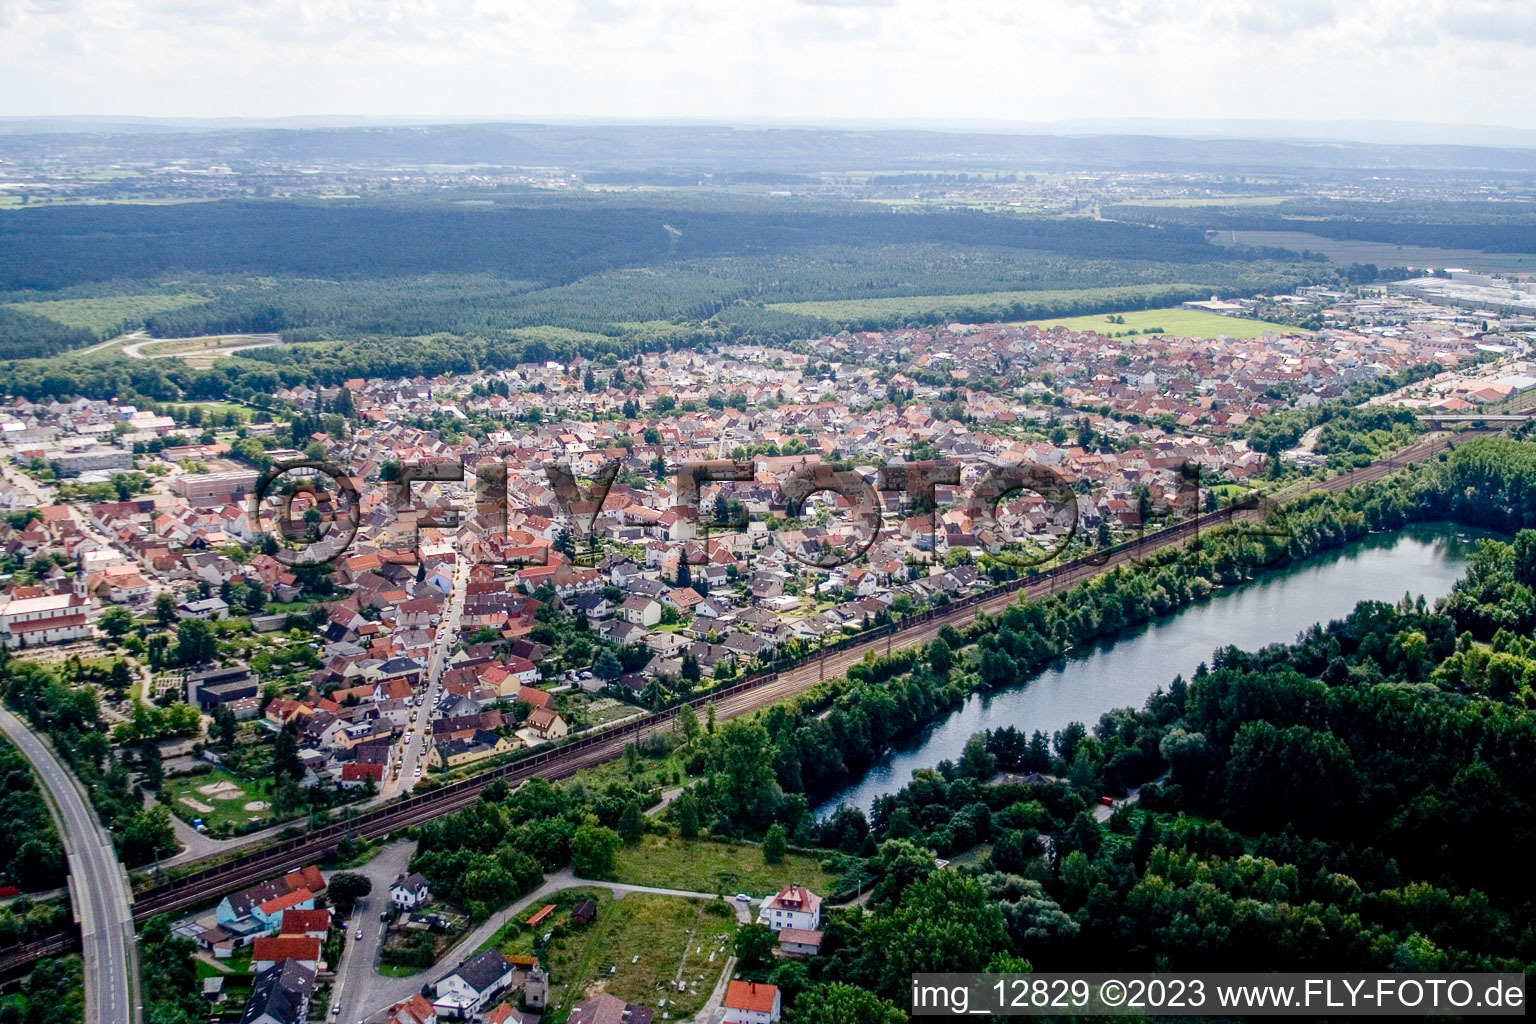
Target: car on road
point(742, 897)
point(384, 916)
point(358, 934)
point(336, 1010)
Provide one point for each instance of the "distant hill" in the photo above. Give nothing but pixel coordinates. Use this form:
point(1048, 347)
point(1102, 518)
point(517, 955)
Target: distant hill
point(722, 148)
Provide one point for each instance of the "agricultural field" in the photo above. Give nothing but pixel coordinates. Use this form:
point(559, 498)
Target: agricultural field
point(218, 798)
point(702, 865)
point(107, 313)
point(990, 305)
point(638, 948)
point(1174, 320)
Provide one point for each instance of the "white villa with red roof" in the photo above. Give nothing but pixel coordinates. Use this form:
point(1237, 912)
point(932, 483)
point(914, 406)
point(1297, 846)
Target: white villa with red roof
point(794, 907)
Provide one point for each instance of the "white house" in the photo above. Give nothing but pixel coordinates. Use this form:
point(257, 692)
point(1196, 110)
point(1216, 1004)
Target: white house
point(794, 907)
point(750, 1002)
point(410, 892)
point(469, 988)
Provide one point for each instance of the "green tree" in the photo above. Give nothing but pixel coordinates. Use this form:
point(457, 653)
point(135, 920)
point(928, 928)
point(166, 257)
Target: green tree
point(631, 823)
point(165, 609)
point(686, 811)
point(115, 622)
point(195, 642)
point(839, 1003)
point(755, 944)
point(122, 676)
point(607, 667)
point(593, 849)
point(346, 888)
point(688, 723)
point(775, 844)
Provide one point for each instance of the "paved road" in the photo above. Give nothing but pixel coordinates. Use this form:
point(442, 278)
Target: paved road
point(442, 645)
point(96, 884)
point(360, 957)
point(136, 350)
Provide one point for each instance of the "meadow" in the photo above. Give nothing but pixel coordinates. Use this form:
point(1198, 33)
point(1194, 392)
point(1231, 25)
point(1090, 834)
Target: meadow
point(1174, 320)
point(637, 948)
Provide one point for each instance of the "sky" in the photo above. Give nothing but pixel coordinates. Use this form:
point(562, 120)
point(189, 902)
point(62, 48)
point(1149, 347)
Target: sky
point(888, 60)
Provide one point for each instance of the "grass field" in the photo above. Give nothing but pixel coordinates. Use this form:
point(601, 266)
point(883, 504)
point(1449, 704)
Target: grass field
point(702, 865)
point(637, 948)
point(189, 794)
point(105, 314)
point(1179, 322)
point(992, 305)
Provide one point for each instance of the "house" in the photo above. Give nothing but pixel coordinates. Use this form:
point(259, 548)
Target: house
point(280, 995)
point(794, 907)
point(751, 1002)
point(641, 610)
point(547, 724)
point(315, 924)
point(358, 776)
point(607, 1009)
point(268, 951)
point(415, 1010)
point(799, 942)
point(453, 753)
point(583, 913)
point(410, 892)
point(468, 989)
point(206, 608)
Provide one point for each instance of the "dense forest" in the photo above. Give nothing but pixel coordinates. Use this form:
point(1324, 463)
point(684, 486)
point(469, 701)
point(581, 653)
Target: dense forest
point(49, 248)
point(31, 856)
point(417, 287)
point(1491, 227)
point(29, 337)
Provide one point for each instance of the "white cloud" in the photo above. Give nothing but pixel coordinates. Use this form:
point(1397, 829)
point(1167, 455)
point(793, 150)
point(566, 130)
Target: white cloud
point(964, 59)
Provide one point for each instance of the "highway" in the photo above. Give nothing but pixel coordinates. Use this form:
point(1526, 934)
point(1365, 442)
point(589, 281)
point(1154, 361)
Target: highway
point(97, 886)
point(741, 698)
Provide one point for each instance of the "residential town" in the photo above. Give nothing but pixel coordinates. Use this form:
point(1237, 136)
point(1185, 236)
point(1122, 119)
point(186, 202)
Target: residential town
point(323, 605)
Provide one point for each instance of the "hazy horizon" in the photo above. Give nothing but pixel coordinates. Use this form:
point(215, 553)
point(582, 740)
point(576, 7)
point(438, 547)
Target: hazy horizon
point(1430, 62)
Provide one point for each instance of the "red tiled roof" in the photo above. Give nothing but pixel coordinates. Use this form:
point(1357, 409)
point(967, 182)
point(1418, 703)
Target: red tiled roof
point(297, 922)
point(749, 995)
point(287, 900)
point(285, 947)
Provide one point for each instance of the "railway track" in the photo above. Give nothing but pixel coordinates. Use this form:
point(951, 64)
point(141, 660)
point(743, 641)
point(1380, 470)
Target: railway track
point(741, 698)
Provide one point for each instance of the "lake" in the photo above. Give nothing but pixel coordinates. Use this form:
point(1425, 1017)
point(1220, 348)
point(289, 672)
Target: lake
point(1424, 559)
